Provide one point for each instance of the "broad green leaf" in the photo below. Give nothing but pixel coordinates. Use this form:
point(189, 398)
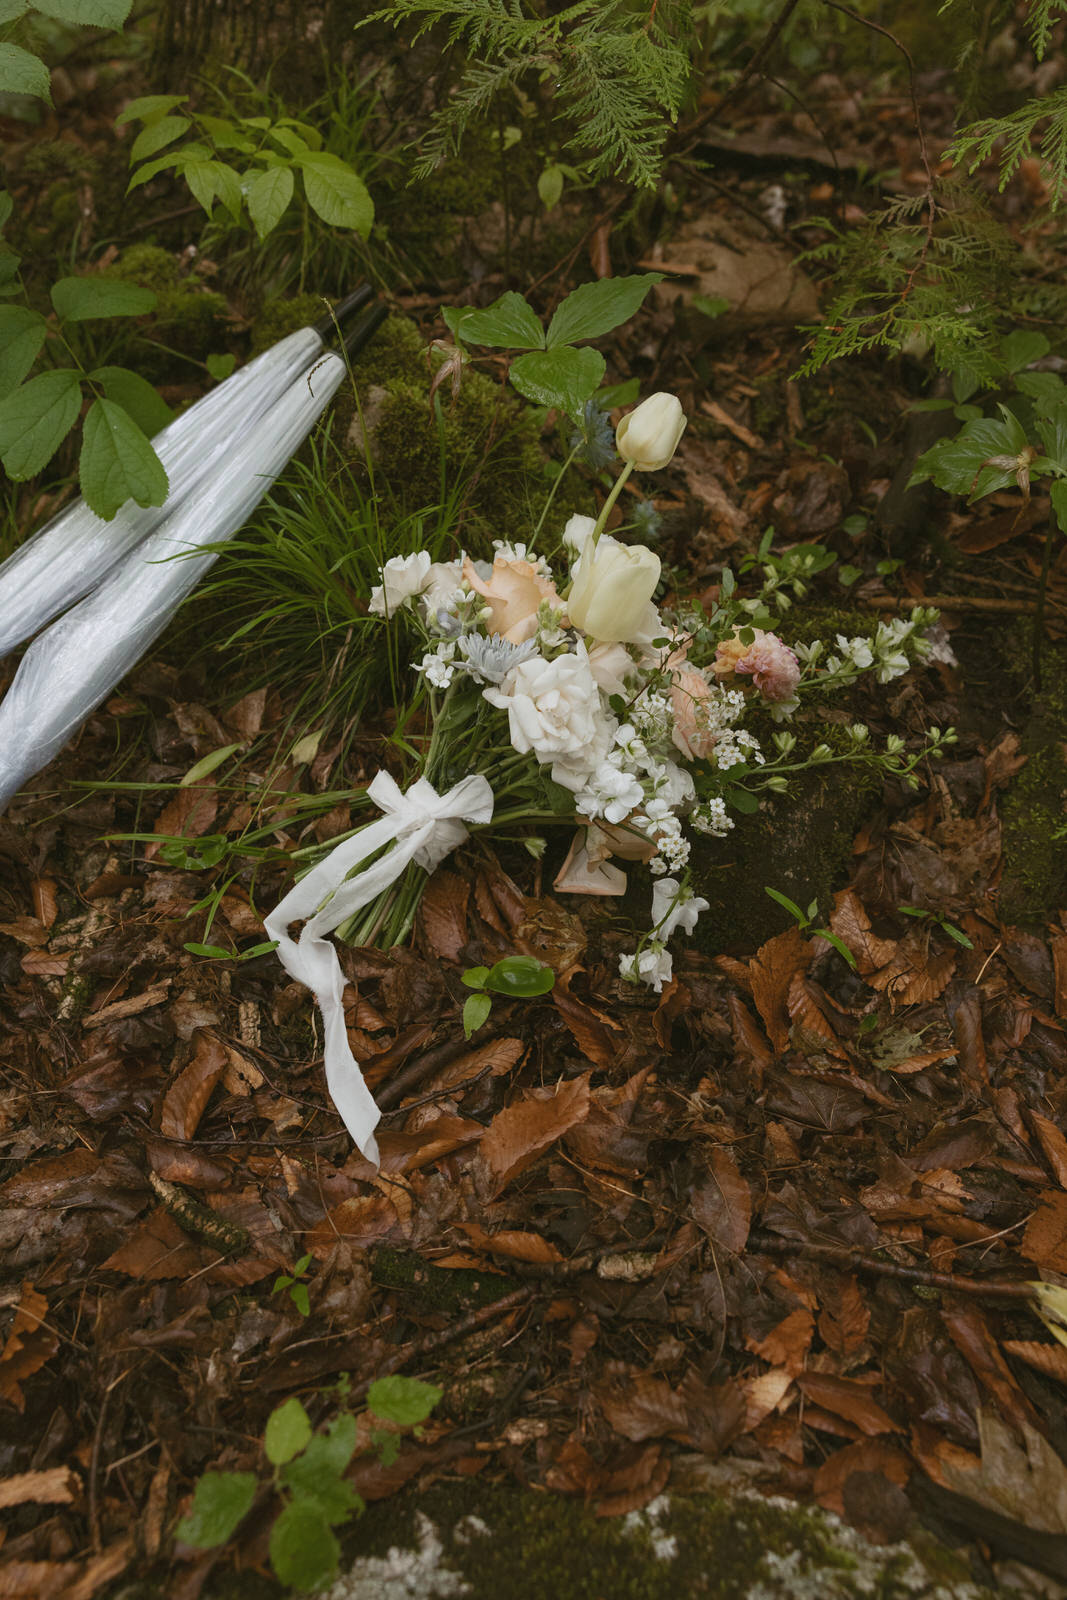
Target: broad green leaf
point(311, 136)
point(268, 195)
point(564, 378)
point(1046, 389)
point(957, 465)
point(181, 157)
point(136, 395)
point(21, 72)
point(1018, 349)
point(318, 1472)
point(475, 977)
point(335, 192)
point(36, 419)
point(87, 13)
point(149, 106)
point(476, 1009)
point(298, 1294)
point(220, 1500)
point(291, 141)
point(22, 333)
point(156, 135)
point(520, 975)
point(220, 366)
point(1052, 431)
point(550, 186)
point(11, 10)
point(405, 1401)
point(207, 764)
point(596, 308)
point(303, 1551)
point(288, 1431)
point(1058, 495)
point(206, 179)
point(224, 134)
point(741, 801)
point(509, 323)
point(117, 462)
point(83, 299)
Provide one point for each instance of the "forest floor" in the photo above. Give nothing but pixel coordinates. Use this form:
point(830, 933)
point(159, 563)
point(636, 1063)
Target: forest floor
point(781, 1217)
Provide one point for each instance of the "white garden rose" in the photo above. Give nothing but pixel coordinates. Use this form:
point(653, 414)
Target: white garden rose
point(403, 578)
point(611, 665)
point(649, 436)
point(554, 711)
point(611, 590)
point(439, 589)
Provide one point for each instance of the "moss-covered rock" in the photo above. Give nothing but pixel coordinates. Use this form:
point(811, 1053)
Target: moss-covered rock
point(189, 318)
point(1034, 811)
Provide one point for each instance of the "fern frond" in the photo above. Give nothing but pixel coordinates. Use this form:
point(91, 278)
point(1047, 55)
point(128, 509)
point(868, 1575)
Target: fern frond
point(1016, 134)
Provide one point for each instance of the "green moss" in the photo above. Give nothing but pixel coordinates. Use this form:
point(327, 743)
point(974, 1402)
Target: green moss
point(438, 1288)
point(283, 316)
point(1034, 811)
point(189, 317)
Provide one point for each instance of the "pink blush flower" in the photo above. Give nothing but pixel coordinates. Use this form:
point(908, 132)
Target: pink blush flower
point(689, 691)
point(772, 666)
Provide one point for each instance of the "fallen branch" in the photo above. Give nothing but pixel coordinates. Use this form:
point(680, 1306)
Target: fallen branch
point(947, 602)
point(841, 1255)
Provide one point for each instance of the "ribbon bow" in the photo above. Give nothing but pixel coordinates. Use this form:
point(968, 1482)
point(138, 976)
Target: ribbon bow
point(422, 826)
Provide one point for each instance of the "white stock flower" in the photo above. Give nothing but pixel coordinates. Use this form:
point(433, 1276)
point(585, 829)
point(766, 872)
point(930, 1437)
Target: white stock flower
point(554, 711)
point(649, 436)
point(674, 907)
point(611, 590)
point(441, 590)
point(403, 577)
point(653, 966)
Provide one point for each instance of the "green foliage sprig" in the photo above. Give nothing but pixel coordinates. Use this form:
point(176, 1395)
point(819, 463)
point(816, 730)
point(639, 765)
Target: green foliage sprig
point(21, 70)
point(514, 976)
point(308, 1479)
point(618, 75)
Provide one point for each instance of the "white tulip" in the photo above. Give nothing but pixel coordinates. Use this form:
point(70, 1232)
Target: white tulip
point(613, 584)
point(649, 436)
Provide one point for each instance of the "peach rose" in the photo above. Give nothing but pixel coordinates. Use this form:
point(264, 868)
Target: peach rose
point(772, 666)
point(513, 593)
point(689, 691)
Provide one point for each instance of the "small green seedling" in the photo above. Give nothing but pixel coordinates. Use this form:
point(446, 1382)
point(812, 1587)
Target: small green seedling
point(308, 1478)
point(298, 1291)
point(805, 922)
point(516, 976)
point(942, 922)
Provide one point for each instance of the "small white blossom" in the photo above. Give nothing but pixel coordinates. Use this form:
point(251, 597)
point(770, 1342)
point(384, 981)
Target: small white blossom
point(653, 966)
point(712, 818)
point(674, 907)
point(439, 667)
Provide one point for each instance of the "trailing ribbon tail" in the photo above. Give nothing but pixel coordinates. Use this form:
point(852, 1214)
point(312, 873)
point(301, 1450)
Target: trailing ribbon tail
point(422, 826)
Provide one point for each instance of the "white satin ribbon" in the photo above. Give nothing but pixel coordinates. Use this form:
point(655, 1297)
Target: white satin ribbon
point(423, 827)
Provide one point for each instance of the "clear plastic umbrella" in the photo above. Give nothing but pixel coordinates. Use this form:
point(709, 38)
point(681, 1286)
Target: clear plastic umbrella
point(74, 664)
point(68, 556)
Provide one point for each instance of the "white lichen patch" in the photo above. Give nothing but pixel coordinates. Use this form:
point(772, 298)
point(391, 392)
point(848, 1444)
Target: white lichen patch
point(664, 1545)
point(415, 1574)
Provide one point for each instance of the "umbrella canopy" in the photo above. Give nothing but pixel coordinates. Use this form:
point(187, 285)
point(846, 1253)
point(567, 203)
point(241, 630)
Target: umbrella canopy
point(72, 552)
point(74, 664)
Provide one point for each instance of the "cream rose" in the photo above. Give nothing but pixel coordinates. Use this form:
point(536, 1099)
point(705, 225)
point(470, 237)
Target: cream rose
point(649, 436)
point(403, 578)
point(554, 711)
point(612, 590)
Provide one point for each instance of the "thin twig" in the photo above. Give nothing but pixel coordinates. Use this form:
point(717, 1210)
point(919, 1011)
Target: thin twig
point(844, 1256)
point(754, 63)
point(947, 602)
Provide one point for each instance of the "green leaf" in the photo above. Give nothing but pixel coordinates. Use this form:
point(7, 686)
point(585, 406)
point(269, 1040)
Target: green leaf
point(298, 1294)
point(956, 465)
point(174, 158)
point(220, 366)
point(83, 299)
point(509, 323)
point(596, 308)
point(847, 574)
point(1047, 389)
point(550, 186)
point(87, 13)
point(710, 305)
point(564, 379)
point(336, 194)
point(136, 395)
point(11, 10)
point(317, 1474)
point(839, 945)
point(475, 977)
point(405, 1401)
point(520, 975)
point(1018, 349)
point(1052, 431)
point(36, 419)
point(303, 1551)
point(24, 73)
point(7, 206)
point(156, 135)
point(206, 179)
point(211, 952)
point(207, 764)
point(22, 333)
point(268, 195)
point(149, 106)
point(476, 1009)
point(117, 462)
point(784, 900)
point(1058, 496)
point(741, 801)
point(288, 1431)
point(220, 1500)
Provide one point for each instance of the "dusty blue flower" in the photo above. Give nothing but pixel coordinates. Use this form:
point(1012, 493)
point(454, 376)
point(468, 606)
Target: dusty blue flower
point(489, 660)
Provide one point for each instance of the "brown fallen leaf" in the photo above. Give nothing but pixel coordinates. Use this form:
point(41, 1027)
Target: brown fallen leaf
point(185, 1101)
point(972, 1336)
point(44, 900)
point(852, 925)
point(512, 1243)
point(869, 1455)
point(29, 1345)
point(1045, 1239)
point(361, 1221)
point(722, 1205)
point(187, 816)
point(1059, 974)
point(787, 1344)
point(599, 1037)
point(1053, 1144)
point(849, 1399)
point(57, 1486)
point(443, 915)
point(129, 1007)
point(845, 1317)
point(1051, 1359)
point(772, 969)
point(156, 1249)
point(1027, 1482)
point(749, 1039)
point(807, 1018)
point(521, 1133)
point(913, 977)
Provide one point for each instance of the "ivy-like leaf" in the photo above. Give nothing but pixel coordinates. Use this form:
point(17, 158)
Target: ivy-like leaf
point(83, 299)
point(336, 194)
point(565, 378)
point(22, 333)
point(36, 419)
point(21, 72)
point(595, 308)
point(509, 323)
point(268, 194)
point(136, 395)
point(117, 462)
point(220, 1500)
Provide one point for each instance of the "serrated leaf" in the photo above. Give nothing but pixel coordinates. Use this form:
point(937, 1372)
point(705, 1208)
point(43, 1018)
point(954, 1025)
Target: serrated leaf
point(596, 308)
point(117, 462)
point(87, 13)
point(11, 10)
point(268, 195)
point(21, 72)
point(84, 299)
point(405, 1401)
point(476, 1009)
point(136, 395)
point(35, 420)
point(206, 179)
point(149, 105)
point(509, 323)
point(220, 1500)
point(156, 136)
point(317, 1474)
point(22, 333)
point(565, 378)
point(336, 194)
point(303, 1551)
point(288, 1431)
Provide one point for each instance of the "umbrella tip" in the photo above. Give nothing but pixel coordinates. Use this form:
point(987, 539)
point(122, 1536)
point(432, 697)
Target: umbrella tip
point(364, 332)
point(326, 326)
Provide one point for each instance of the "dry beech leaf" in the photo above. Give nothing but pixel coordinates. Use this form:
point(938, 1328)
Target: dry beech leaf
point(44, 900)
point(1051, 1359)
point(188, 815)
point(517, 1246)
point(359, 1222)
point(805, 1014)
point(1053, 1144)
point(55, 1487)
point(772, 970)
point(787, 1344)
point(29, 1345)
point(868, 1455)
point(443, 915)
point(749, 1039)
point(1059, 973)
point(847, 1399)
point(599, 1037)
point(156, 1249)
point(722, 1205)
point(407, 1152)
point(1029, 1485)
point(913, 977)
point(853, 927)
point(1045, 1239)
point(521, 1133)
point(764, 1394)
point(187, 1097)
point(844, 1318)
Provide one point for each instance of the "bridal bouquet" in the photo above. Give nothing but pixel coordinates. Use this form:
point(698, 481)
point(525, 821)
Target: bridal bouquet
point(552, 689)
